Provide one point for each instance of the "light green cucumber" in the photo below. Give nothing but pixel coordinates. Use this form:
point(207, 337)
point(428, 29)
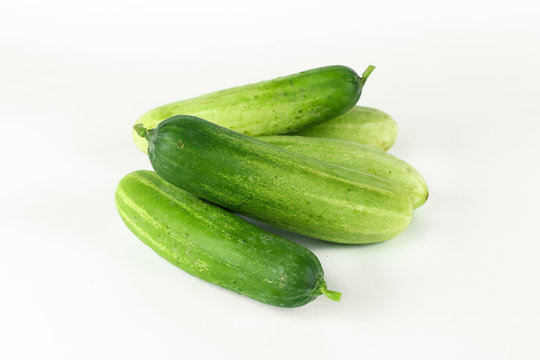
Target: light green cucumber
point(218, 246)
point(277, 186)
point(358, 157)
point(361, 124)
point(278, 106)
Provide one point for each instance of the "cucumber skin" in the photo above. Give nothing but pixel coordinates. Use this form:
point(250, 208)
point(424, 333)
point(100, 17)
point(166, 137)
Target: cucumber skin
point(216, 245)
point(358, 157)
point(265, 182)
point(361, 124)
point(277, 106)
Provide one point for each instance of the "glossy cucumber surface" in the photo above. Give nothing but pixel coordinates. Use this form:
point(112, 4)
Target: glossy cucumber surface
point(283, 188)
point(216, 245)
point(277, 106)
point(361, 124)
point(358, 157)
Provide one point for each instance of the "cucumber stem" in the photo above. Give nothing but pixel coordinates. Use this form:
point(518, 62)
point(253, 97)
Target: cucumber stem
point(140, 130)
point(331, 294)
point(367, 72)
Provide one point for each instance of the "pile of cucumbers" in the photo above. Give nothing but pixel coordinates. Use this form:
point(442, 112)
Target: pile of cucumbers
point(294, 152)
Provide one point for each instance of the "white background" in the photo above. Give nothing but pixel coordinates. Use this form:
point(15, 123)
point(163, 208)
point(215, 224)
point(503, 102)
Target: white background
point(460, 77)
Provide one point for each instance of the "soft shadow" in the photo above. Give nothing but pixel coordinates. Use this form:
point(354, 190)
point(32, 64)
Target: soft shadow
point(311, 243)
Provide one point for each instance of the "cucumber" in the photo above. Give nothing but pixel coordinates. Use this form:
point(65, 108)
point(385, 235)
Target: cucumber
point(363, 125)
point(358, 157)
point(265, 182)
point(271, 107)
point(218, 246)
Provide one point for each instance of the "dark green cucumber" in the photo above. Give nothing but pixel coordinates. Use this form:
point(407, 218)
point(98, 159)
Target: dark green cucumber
point(272, 107)
point(218, 246)
point(286, 189)
point(361, 124)
point(358, 157)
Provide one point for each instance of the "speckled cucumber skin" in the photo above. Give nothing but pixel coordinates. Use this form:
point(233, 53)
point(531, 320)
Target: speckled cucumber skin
point(361, 124)
point(271, 107)
point(286, 189)
point(216, 245)
point(358, 157)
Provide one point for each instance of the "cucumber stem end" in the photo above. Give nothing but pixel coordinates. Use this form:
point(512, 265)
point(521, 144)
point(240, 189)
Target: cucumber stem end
point(367, 72)
point(331, 294)
point(141, 130)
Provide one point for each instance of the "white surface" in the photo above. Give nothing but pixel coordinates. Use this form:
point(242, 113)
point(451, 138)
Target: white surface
point(460, 77)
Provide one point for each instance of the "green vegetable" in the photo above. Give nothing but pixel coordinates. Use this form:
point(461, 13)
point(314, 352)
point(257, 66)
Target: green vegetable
point(358, 157)
point(277, 186)
point(216, 245)
point(271, 107)
point(360, 124)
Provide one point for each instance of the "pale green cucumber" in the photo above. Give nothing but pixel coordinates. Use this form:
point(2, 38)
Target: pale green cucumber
point(218, 246)
point(277, 106)
point(358, 157)
point(361, 124)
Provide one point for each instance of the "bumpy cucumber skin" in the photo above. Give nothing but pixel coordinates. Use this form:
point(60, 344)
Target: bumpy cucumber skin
point(361, 124)
point(216, 245)
point(358, 157)
point(286, 189)
point(270, 107)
